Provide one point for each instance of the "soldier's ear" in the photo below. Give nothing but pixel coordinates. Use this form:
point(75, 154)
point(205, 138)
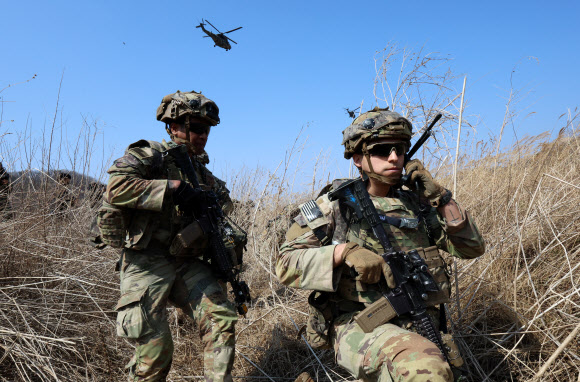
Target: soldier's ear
point(357, 160)
point(175, 127)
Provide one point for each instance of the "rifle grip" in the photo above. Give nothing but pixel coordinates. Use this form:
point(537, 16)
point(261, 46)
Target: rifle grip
point(360, 286)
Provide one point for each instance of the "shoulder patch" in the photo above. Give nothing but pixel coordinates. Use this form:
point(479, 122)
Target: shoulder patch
point(149, 155)
point(127, 160)
point(311, 211)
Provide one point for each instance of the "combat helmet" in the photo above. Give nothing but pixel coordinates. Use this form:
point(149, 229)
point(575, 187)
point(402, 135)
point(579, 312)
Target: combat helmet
point(371, 126)
point(177, 105)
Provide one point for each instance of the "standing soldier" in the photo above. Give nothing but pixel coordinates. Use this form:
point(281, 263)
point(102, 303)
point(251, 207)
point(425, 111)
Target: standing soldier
point(333, 252)
point(65, 198)
point(155, 195)
point(5, 188)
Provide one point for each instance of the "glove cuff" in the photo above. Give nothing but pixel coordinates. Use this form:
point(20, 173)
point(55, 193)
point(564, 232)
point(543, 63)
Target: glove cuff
point(348, 249)
point(443, 197)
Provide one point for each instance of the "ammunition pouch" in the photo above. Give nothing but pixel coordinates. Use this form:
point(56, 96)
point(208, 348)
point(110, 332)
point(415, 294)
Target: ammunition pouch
point(235, 239)
point(112, 223)
point(189, 238)
point(320, 320)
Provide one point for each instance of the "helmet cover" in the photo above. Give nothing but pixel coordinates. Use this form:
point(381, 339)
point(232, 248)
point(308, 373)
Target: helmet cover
point(372, 125)
point(178, 105)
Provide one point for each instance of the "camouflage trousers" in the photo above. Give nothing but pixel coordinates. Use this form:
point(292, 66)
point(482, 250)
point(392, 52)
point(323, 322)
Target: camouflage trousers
point(149, 280)
point(387, 354)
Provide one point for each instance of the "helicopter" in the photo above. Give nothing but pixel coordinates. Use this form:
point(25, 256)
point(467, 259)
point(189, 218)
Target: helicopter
point(220, 39)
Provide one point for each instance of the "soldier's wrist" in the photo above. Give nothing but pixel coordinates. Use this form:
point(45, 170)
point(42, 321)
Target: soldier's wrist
point(443, 197)
point(337, 258)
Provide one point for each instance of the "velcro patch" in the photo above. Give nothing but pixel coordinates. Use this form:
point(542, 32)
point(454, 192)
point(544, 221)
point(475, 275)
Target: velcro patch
point(311, 211)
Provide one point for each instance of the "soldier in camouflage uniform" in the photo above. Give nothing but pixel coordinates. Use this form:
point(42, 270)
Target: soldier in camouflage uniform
point(65, 198)
point(320, 248)
point(148, 183)
point(5, 188)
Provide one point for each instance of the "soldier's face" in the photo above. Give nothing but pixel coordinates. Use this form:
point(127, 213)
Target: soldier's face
point(5, 182)
point(198, 133)
point(390, 165)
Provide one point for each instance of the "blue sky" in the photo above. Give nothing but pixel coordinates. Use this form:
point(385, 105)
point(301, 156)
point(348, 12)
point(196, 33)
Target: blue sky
point(296, 64)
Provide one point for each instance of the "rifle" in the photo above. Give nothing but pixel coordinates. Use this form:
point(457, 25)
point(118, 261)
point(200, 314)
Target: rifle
point(410, 271)
point(210, 217)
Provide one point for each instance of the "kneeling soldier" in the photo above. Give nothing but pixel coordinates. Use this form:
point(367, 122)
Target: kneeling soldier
point(334, 251)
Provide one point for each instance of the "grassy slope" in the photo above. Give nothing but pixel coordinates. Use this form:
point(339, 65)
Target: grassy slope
point(517, 303)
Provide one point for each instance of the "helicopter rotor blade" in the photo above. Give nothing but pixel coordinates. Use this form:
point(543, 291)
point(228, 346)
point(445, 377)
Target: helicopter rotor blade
point(213, 26)
point(233, 30)
point(231, 40)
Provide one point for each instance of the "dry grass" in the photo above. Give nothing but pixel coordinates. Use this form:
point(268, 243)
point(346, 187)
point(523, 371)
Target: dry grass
point(517, 305)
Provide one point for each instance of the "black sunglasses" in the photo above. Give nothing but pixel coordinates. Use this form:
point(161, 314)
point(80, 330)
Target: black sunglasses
point(199, 128)
point(385, 149)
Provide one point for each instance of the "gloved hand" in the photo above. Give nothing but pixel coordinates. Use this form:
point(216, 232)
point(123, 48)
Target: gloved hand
point(367, 264)
point(186, 197)
point(430, 189)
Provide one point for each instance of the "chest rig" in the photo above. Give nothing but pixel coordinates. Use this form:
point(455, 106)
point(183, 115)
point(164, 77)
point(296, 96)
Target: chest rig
point(407, 226)
point(136, 228)
point(172, 220)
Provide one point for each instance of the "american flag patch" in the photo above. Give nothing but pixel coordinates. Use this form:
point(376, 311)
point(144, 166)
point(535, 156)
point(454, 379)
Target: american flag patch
point(311, 211)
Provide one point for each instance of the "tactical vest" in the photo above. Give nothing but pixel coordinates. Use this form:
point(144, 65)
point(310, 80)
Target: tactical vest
point(407, 230)
point(410, 234)
point(136, 228)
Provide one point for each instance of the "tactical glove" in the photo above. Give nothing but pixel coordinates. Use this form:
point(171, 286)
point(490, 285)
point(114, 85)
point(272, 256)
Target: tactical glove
point(368, 265)
point(186, 197)
point(428, 187)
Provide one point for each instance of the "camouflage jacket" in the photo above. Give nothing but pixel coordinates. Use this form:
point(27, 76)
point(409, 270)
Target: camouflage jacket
point(5, 189)
point(139, 182)
point(304, 262)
